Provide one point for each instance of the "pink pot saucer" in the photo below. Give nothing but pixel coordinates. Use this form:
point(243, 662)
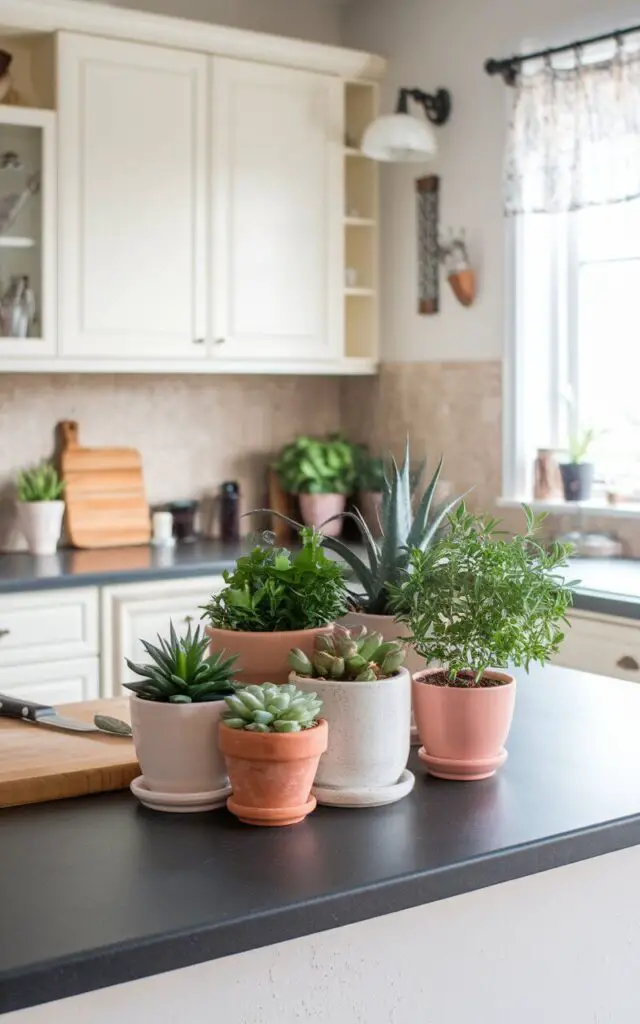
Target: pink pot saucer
point(178, 803)
point(463, 771)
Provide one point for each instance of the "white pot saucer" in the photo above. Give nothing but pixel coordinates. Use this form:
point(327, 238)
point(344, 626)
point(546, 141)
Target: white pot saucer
point(365, 796)
point(462, 771)
point(178, 803)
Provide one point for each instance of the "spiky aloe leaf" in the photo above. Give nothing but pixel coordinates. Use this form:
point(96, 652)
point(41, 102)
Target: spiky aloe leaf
point(421, 518)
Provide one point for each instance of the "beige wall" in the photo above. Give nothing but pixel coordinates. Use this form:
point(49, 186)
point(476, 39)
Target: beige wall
point(316, 20)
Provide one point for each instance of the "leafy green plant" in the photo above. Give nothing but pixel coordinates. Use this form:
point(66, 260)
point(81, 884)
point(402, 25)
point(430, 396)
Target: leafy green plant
point(580, 444)
point(479, 598)
point(355, 655)
point(39, 483)
point(271, 590)
point(369, 470)
point(271, 708)
point(180, 671)
point(312, 465)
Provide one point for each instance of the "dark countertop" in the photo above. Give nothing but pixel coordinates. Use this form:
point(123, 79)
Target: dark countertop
point(97, 891)
point(608, 586)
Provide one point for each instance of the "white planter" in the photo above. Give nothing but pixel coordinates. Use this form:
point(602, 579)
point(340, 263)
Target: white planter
point(390, 630)
point(41, 524)
point(365, 762)
point(177, 746)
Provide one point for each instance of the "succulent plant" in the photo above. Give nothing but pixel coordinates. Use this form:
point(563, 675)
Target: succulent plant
point(39, 483)
point(355, 655)
point(180, 672)
point(271, 708)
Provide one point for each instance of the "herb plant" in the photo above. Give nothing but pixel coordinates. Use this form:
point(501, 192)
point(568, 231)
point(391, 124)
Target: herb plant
point(311, 465)
point(479, 599)
point(272, 590)
point(369, 470)
point(355, 655)
point(580, 444)
point(39, 483)
point(271, 708)
point(180, 671)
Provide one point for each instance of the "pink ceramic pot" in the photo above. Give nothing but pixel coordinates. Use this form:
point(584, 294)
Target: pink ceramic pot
point(370, 505)
point(315, 509)
point(463, 730)
point(262, 657)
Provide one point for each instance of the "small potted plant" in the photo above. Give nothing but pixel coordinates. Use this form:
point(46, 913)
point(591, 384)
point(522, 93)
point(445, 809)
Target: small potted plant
point(175, 712)
point(478, 602)
point(272, 740)
point(40, 507)
point(369, 472)
point(321, 474)
point(366, 698)
point(577, 473)
point(274, 600)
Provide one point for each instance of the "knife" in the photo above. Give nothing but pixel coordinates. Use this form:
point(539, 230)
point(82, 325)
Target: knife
point(43, 714)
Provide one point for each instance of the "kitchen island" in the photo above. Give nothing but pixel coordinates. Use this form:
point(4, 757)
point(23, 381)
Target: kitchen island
point(465, 902)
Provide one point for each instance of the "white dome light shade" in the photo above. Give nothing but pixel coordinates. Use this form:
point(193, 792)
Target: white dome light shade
point(400, 138)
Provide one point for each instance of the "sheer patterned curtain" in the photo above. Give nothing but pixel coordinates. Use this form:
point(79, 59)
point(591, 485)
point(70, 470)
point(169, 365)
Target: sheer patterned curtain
point(574, 139)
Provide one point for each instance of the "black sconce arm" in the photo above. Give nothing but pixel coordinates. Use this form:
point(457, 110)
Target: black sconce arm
point(437, 105)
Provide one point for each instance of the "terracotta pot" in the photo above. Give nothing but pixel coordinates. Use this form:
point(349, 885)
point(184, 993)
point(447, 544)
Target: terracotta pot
point(41, 524)
point(368, 731)
point(316, 508)
point(464, 726)
point(272, 773)
point(262, 657)
point(370, 505)
point(177, 745)
point(390, 630)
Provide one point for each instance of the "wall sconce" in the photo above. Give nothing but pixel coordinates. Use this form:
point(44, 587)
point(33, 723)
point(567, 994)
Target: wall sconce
point(403, 138)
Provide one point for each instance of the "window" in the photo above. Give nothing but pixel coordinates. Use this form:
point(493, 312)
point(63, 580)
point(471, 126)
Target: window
point(576, 351)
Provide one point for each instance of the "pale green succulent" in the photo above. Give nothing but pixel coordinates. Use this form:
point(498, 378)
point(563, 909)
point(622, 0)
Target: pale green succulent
point(271, 708)
point(39, 483)
point(354, 655)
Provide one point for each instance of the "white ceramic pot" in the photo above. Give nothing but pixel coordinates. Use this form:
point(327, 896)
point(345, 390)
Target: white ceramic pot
point(41, 524)
point(177, 745)
point(368, 733)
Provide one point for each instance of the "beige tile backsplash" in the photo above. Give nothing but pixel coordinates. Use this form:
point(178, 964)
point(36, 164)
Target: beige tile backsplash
point(194, 432)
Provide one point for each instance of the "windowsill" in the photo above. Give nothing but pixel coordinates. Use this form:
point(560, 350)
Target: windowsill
point(568, 508)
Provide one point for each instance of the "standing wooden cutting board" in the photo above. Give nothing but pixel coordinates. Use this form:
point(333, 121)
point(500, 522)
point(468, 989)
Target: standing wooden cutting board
point(106, 505)
point(39, 763)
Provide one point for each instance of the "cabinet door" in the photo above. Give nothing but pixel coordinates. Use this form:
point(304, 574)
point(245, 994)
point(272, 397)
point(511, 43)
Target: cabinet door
point(277, 146)
point(132, 161)
point(57, 682)
point(132, 612)
point(44, 626)
point(605, 646)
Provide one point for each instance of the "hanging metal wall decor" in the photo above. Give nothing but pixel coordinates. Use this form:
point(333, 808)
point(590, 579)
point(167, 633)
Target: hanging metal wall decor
point(428, 193)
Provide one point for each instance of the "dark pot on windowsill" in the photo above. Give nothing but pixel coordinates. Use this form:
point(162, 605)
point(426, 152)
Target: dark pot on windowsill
point(577, 480)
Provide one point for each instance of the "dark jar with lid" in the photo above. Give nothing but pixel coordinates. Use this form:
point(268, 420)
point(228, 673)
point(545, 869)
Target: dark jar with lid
point(229, 511)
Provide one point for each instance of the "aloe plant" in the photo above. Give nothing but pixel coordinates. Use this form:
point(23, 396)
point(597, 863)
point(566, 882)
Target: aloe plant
point(386, 559)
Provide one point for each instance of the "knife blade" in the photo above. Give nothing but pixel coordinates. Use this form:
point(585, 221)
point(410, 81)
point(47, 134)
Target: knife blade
point(44, 714)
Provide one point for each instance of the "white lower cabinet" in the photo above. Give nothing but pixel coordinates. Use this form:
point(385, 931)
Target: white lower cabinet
point(53, 682)
point(136, 611)
point(604, 645)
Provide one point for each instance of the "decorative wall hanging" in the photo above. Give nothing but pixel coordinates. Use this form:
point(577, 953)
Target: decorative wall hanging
point(460, 275)
point(428, 190)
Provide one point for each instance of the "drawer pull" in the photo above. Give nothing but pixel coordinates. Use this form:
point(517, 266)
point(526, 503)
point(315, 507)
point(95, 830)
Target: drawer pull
point(4, 632)
point(628, 663)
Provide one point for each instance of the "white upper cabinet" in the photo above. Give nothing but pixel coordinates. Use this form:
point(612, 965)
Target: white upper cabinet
point(276, 216)
point(132, 200)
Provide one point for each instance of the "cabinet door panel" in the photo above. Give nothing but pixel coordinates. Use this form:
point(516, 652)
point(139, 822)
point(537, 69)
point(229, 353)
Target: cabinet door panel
point(605, 647)
point(59, 682)
point(277, 212)
point(132, 128)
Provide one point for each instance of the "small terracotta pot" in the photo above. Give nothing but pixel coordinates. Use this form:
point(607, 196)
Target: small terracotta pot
point(272, 772)
point(177, 745)
point(464, 726)
point(316, 508)
point(370, 505)
point(262, 657)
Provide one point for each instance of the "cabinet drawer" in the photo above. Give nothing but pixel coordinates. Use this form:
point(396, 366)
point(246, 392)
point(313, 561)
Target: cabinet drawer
point(608, 648)
point(58, 682)
point(49, 625)
point(135, 612)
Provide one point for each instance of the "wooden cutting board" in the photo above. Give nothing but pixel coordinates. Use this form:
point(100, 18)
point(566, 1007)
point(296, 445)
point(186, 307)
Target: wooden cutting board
point(38, 763)
point(106, 505)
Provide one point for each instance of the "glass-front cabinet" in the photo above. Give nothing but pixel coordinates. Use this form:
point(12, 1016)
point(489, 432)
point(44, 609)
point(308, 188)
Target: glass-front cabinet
point(27, 227)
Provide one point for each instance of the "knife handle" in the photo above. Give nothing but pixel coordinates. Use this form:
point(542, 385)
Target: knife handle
point(17, 707)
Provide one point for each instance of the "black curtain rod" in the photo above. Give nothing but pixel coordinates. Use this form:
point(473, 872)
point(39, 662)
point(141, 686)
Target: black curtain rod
point(510, 66)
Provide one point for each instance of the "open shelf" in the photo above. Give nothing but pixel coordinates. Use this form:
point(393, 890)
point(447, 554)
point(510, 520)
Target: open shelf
point(359, 292)
point(9, 242)
point(359, 222)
